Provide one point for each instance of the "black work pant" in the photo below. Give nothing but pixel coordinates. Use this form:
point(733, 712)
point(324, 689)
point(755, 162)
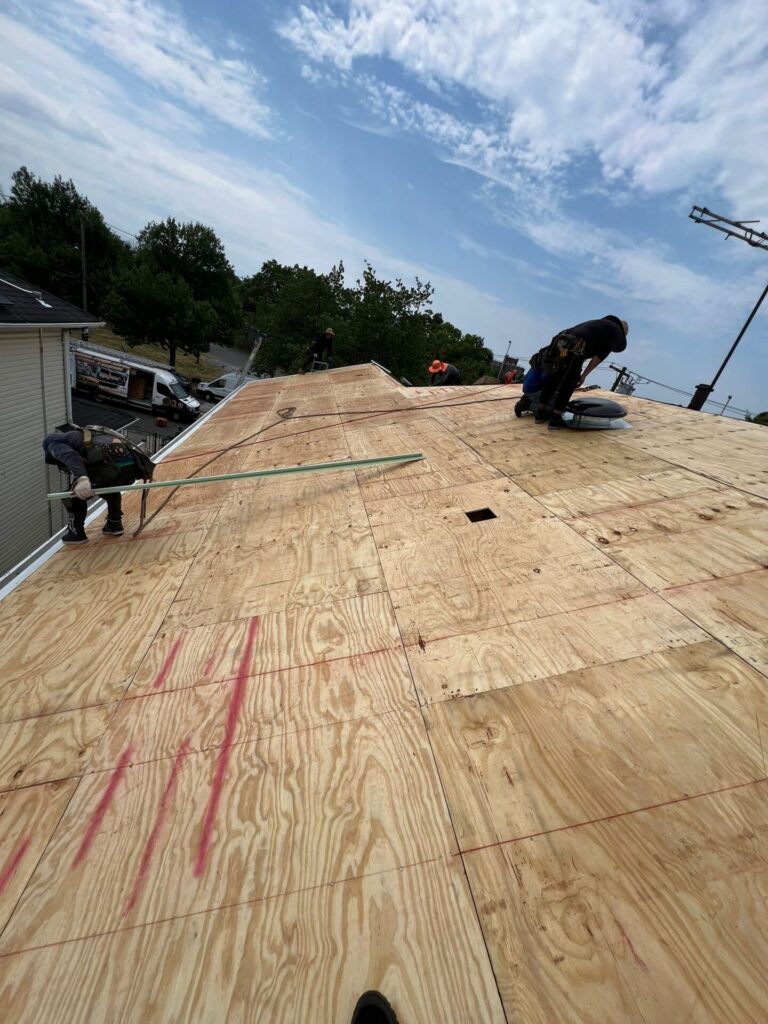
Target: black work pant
point(558, 388)
point(79, 508)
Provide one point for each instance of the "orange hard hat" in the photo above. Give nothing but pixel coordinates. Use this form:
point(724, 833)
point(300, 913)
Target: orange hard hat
point(437, 366)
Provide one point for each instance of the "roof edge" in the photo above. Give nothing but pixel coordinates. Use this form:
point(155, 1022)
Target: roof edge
point(28, 565)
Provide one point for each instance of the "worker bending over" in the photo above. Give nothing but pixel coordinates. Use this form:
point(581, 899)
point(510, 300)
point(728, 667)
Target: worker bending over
point(443, 373)
point(95, 457)
point(593, 340)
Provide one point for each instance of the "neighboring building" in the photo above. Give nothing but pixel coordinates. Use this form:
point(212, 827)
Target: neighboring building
point(35, 398)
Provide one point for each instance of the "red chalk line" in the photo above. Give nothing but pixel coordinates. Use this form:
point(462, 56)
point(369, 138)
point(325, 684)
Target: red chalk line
point(612, 817)
point(102, 807)
point(235, 706)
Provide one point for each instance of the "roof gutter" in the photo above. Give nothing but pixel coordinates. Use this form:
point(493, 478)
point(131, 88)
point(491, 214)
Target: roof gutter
point(91, 323)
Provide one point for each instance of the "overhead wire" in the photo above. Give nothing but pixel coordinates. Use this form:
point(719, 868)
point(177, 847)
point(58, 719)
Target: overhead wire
point(289, 416)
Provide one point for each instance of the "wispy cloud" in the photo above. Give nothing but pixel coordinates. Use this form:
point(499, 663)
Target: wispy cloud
point(154, 43)
point(666, 96)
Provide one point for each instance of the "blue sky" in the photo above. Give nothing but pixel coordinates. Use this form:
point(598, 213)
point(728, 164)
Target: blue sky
point(536, 161)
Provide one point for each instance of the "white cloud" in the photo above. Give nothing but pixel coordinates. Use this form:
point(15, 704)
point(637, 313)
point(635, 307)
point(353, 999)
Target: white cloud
point(667, 97)
point(155, 44)
point(140, 163)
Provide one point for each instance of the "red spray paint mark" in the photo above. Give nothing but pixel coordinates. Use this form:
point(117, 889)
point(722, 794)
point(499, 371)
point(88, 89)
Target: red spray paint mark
point(635, 955)
point(235, 704)
point(13, 862)
point(168, 663)
point(162, 814)
point(102, 807)
point(209, 664)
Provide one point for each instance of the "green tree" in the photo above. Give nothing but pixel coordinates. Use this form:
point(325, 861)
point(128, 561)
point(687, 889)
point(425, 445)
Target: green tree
point(761, 418)
point(292, 305)
point(159, 308)
point(40, 239)
point(390, 323)
point(467, 352)
point(195, 254)
point(179, 291)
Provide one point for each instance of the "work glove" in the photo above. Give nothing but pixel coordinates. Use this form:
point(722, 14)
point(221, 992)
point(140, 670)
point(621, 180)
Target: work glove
point(82, 488)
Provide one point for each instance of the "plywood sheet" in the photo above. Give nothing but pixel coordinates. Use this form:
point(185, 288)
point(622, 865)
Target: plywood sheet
point(655, 916)
point(599, 742)
point(508, 655)
point(735, 610)
point(517, 593)
point(295, 811)
point(74, 642)
point(723, 507)
point(302, 957)
point(591, 499)
point(29, 818)
point(304, 636)
point(711, 553)
point(50, 747)
point(155, 724)
point(462, 552)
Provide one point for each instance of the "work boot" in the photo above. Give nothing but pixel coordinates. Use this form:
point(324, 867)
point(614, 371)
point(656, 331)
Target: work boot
point(556, 422)
point(373, 1008)
point(73, 536)
point(113, 529)
point(522, 405)
point(542, 416)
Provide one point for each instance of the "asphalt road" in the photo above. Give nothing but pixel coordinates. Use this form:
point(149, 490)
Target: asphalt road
point(145, 422)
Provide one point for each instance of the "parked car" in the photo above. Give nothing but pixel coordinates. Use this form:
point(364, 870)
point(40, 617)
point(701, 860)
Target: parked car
point(215, 390)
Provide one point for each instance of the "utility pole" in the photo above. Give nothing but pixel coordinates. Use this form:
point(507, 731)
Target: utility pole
point(82, 263)
point(504, 360)
point(620, 372)
point(758, 240)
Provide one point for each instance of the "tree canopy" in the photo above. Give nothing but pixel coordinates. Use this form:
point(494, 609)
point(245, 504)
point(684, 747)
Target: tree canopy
point(176, 288)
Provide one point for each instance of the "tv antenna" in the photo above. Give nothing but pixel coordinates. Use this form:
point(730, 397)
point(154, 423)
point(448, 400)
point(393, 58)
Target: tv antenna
point(758, 240)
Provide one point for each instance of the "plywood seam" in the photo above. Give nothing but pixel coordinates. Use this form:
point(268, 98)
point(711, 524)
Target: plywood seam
point(612, 817)
point(696, 472)
point(535, 618)
point(649, 589)
point(715, 579)
point(263, 738)
point(439, 776)
point(227, 906)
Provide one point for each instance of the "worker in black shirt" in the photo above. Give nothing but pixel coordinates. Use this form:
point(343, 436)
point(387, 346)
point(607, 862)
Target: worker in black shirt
point(593, 340)
point(322, 346)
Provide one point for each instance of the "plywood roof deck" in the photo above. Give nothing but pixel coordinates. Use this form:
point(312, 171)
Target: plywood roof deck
point(312, 735)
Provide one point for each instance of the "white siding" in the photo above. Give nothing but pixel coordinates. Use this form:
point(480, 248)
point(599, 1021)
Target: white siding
point(32, 402)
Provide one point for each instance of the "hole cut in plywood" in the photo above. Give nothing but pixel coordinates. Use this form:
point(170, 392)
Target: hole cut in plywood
point(480, 514)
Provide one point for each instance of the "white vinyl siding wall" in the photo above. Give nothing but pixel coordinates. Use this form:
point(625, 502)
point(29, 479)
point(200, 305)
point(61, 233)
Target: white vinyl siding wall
point(33, 402)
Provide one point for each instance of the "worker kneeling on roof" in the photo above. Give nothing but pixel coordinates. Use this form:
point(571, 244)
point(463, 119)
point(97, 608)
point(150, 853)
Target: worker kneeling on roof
point(443, 373)
point(563, 360)
point(95, 457)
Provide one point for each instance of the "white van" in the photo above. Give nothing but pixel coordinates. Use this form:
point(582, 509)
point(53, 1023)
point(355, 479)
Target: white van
point(130, 381)
point(217, 389)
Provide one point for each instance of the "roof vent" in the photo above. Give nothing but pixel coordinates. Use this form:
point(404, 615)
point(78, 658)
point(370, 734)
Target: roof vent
point(479, 514)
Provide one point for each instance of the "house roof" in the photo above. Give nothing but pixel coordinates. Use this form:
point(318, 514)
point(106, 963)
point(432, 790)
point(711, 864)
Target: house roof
point(21, 303)
point(310, 735)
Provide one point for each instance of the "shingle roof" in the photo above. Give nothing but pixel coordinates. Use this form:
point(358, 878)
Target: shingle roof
point(20, 304)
